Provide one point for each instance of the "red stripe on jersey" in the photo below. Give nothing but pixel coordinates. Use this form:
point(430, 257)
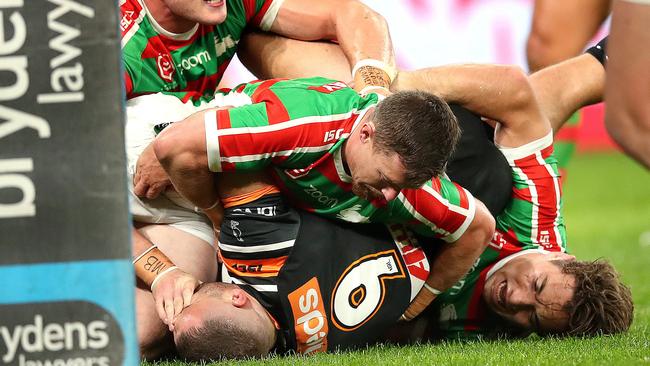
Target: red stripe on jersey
point(128, 83)
point(547, 187)
point(129, 12)
point(475, 310)
point(257, 19)
point(199, 86)
point(269, 142)
point(433, 209)
point(223, 119)
point(249, 8)
point(275, 110)
point(464, 201)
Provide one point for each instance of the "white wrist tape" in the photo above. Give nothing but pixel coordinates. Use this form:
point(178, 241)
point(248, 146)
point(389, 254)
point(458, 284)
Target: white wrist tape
point(389, 70)
point(215, 204)
point(160, 275)
point(432, 290)
point(370, 88)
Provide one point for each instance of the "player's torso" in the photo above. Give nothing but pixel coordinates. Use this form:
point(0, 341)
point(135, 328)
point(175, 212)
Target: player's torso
point(190, 62)
point(342, 288)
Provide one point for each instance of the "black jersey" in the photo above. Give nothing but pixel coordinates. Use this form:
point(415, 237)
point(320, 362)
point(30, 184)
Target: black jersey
point(330, 285)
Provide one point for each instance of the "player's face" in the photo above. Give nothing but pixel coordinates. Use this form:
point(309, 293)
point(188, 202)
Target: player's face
point(208, 12)
point(375, 174)
point(227, 301)
point(379, 176)
point(531, 291)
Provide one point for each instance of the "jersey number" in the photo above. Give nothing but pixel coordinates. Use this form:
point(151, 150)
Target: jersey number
point(360, 291)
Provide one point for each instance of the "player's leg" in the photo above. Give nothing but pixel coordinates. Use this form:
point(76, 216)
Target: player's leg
point(561, 29)
point(628, 81)
point(190, 253)
point(563, 88)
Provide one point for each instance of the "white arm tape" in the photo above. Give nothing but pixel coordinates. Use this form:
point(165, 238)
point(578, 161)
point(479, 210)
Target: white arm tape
point(431, 289)
point(144, 253)
point(389, 70)
point(161, 275)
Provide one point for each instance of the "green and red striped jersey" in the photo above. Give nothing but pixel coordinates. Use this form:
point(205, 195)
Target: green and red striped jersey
point(188, 65)
point(532, 221)
point(297, 128)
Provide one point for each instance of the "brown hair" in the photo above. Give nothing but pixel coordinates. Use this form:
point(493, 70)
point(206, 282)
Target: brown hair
point(601, 304)
point(421, 129)
point(219, 339)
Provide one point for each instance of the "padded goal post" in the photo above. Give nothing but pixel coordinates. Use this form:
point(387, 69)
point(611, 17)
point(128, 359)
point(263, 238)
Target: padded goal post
point(67, 293)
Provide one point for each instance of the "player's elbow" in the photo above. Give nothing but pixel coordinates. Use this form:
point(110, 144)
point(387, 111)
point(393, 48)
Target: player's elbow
point(356, 12)
point(483, 226)
point(176, 149)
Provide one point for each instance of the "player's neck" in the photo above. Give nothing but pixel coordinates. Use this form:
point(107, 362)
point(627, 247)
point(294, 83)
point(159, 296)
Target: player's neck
point(166, 19)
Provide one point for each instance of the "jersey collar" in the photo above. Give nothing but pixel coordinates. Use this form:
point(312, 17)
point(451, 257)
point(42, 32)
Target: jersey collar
point(175, 36)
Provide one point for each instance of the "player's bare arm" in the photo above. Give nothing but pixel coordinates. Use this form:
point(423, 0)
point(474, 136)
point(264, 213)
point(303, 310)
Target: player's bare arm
point(563, 88)
point(368, 39)
point(497, 92)
point(454, 260)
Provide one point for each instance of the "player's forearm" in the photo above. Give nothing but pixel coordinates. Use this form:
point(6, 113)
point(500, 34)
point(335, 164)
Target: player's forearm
point(181, 150)
point(455, 259)
point(564, 88)
point(493, 91)
point(361, 32)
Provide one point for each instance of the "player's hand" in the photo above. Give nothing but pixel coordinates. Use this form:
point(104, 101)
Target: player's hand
point(419, 303)
point(150, 179)
point(172, 293)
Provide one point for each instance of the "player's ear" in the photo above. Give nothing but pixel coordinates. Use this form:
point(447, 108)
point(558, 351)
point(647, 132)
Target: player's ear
point(239, 297)
point(367, 131)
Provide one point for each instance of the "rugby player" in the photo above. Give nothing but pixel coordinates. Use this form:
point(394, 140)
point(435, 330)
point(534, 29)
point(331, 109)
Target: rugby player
point(184, 47)
point(346, 157)
point(323, 295)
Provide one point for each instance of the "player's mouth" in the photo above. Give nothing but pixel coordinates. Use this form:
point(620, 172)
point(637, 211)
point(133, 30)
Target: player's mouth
point(215, 3)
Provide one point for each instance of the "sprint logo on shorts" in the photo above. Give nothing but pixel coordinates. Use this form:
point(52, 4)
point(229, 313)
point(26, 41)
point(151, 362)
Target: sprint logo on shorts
point(310, 320)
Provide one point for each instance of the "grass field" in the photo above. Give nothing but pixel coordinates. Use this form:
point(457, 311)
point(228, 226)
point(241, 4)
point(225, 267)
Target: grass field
point(607, 210)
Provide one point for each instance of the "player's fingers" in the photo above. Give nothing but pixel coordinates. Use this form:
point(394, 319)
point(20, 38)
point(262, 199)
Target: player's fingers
point(178, 304)
point(140, 188)
point(169, 311)
point(155, 190)
point(160, 309)
point(187, 296)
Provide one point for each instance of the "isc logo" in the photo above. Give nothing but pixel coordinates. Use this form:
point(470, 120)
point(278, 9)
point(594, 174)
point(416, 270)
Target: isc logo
point(309, 314)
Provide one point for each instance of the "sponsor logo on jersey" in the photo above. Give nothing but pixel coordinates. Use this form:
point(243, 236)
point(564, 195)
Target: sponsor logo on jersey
point(224, 45)
point(193, 61)
point(351, 214)
point(165, 67)
point(309, 316)
point(321, 197)
point(127, 20)
point(329, 88)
